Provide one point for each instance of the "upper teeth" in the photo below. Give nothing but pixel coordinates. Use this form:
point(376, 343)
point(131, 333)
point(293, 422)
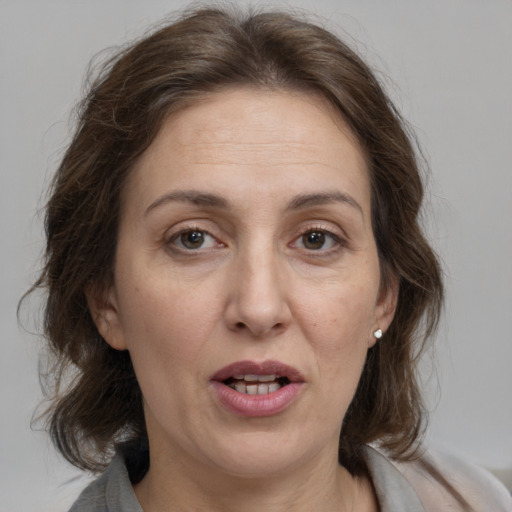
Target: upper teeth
point(256, 378)
point(255, 389)
point(259, 384)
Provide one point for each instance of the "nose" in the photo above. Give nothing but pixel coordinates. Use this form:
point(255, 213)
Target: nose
point(258, 304)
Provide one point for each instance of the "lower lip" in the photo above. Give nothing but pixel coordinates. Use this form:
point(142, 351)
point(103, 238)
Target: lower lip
point(256, 405)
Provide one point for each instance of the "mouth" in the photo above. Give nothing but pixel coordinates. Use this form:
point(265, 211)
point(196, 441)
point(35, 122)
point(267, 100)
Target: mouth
point(251, 378)
point(256, 384)
point(251, 389)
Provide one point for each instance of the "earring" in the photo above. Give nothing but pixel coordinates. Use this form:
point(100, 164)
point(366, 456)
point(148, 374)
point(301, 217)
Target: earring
point(378, 334)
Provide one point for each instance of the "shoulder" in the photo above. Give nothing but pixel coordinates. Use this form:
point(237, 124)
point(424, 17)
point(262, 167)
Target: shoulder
point(111, 492)
point(444, 482)
point(93, 497)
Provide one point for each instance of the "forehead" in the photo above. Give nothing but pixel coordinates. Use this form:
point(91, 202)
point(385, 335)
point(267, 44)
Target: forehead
point(269, 135)
point(255, 116)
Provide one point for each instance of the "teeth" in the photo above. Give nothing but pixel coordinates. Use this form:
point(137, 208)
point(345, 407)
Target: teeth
point(262, 389)
point(273, 386)
point(252, 389)
point(256, 378)
point(240, 387)
point(255, 384)
point(266, 378)
point(255, 389)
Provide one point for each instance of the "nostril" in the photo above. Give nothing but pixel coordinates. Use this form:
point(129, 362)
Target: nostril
point(258, 327)
point(278, 328)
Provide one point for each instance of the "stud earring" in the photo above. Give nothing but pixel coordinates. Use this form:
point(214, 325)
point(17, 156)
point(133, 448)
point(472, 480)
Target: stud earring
point(378, 334)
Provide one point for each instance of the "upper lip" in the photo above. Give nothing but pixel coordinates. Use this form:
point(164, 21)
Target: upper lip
point(254, 368)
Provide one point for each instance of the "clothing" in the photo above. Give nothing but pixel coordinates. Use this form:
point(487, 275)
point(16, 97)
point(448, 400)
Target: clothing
point(405, 487)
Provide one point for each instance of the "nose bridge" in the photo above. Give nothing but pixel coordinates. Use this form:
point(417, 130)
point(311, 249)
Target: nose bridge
point(258, 302)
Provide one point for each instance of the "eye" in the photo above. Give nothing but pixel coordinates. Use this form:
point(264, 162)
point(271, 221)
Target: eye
point(317, 240)
point(193, 239)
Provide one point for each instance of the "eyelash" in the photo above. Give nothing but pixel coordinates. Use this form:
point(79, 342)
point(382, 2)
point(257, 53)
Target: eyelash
point(175, 241)
point(337, 242)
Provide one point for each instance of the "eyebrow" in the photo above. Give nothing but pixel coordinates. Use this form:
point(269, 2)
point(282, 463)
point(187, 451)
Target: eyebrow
point(214, 201)
point(189, 196)
point(319, 199)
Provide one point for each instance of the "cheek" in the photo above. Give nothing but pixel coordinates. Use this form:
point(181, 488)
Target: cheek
point(165, 324)
point(166, 328)
point(338, 322)
point(340, 318)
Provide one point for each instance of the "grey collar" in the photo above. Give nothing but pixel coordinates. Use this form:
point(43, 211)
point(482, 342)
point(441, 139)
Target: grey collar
point(394, 492)
point(114, 489)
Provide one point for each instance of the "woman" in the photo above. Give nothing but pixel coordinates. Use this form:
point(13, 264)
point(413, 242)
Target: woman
point(238, 286)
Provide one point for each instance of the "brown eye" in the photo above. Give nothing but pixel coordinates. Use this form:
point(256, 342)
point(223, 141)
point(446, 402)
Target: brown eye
point(318, 240)
point(313, 240)
point(192, 239)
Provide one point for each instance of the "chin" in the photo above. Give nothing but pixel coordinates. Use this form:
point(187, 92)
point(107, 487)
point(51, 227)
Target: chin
point(262, 455)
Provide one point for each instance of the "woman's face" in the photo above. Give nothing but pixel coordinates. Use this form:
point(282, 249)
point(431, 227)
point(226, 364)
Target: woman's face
point(247, 282)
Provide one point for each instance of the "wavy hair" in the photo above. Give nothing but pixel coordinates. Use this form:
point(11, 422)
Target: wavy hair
point(95, 397)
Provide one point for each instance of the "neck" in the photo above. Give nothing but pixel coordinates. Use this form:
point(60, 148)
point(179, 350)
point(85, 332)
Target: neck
point(171, 487)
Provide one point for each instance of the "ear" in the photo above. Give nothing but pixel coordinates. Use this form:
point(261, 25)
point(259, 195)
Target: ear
point(103, 307)
point(386, 307)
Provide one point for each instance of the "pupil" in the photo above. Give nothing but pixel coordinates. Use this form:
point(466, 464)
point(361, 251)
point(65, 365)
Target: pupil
point(314, 240)
point(192, 239)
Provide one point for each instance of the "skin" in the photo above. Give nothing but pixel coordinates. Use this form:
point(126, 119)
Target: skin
point(256, 289)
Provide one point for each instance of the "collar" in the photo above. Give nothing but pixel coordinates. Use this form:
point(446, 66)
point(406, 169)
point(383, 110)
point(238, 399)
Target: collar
point(394, 492)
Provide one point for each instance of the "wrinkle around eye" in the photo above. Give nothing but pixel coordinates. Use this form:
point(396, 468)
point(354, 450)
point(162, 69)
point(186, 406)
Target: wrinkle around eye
point(324, 237)
point(183, 241)
point(333, 250)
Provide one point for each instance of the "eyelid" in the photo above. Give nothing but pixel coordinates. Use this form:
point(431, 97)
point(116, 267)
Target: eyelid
point(174, 233)
point(190, 224)
point(335, 238)
point(325, 227)
point(335, 233)
point(177, 238)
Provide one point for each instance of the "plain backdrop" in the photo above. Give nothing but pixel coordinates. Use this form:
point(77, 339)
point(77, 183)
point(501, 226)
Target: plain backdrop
point(447, 64)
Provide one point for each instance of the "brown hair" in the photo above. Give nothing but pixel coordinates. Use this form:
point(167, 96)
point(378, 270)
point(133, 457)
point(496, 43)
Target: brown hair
point(96, 400)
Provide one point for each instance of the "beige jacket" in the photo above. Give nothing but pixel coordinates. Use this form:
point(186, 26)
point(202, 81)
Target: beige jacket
point(398, 484)
point(407, 487)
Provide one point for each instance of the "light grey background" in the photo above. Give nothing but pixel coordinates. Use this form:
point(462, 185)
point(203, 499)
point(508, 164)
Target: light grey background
point(450, 61)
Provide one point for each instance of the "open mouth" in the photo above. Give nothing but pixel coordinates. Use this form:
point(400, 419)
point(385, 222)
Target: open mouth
point(256, 384)
point(257, 389)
